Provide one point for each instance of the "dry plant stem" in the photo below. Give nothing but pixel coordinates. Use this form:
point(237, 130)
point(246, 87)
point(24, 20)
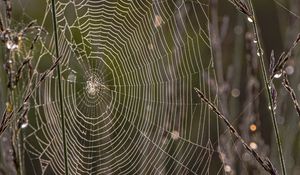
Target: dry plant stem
point(7, 117)
point(55, 29)
point(27, 59)
point(241, 6)
point(264, 162)
point(286, 84)
point(267, 85)
point(283, 58)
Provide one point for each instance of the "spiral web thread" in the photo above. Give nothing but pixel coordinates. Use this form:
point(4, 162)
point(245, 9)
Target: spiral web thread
point(128, 71)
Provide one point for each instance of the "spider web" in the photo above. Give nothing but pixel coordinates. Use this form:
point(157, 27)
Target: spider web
point(128, 73)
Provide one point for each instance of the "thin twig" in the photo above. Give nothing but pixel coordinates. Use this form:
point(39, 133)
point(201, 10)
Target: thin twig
point(54, 23)
point(241, 6)
point(264, 162)
point(267, 86)
point(7, 117)
point(286, 84)
point(283, 58)
point(27, 59)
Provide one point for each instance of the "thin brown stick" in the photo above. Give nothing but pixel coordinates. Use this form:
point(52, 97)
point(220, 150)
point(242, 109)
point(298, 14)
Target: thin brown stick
point(264, 162)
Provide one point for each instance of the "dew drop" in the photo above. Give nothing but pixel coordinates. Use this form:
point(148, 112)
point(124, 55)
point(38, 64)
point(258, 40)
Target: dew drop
point(259, 52)
point(175, 135)
point(158, 21)
point(274, 107)
point(255, 41)
point(269, 87)
point(26, 105)
point(72, 77)
point(24, 125)
point(278, 75)
point(250, 19)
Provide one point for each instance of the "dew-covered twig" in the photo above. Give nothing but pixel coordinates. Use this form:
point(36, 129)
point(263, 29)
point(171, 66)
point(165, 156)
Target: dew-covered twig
point(267, 86)
point(242, 7)
point(264, 162)
point(283, 58)
point(7, 117)
point(286, 84)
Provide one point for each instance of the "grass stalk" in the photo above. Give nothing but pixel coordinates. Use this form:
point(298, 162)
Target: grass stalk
point(267, 85)
point(264, 162)
point(60, 87)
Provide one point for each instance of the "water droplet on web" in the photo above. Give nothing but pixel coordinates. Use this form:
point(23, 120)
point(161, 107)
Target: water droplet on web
point(227, 168)
point(175, 135)
point(10, 45)
point(255, 41)
point(250, 19)
point(72, 77)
